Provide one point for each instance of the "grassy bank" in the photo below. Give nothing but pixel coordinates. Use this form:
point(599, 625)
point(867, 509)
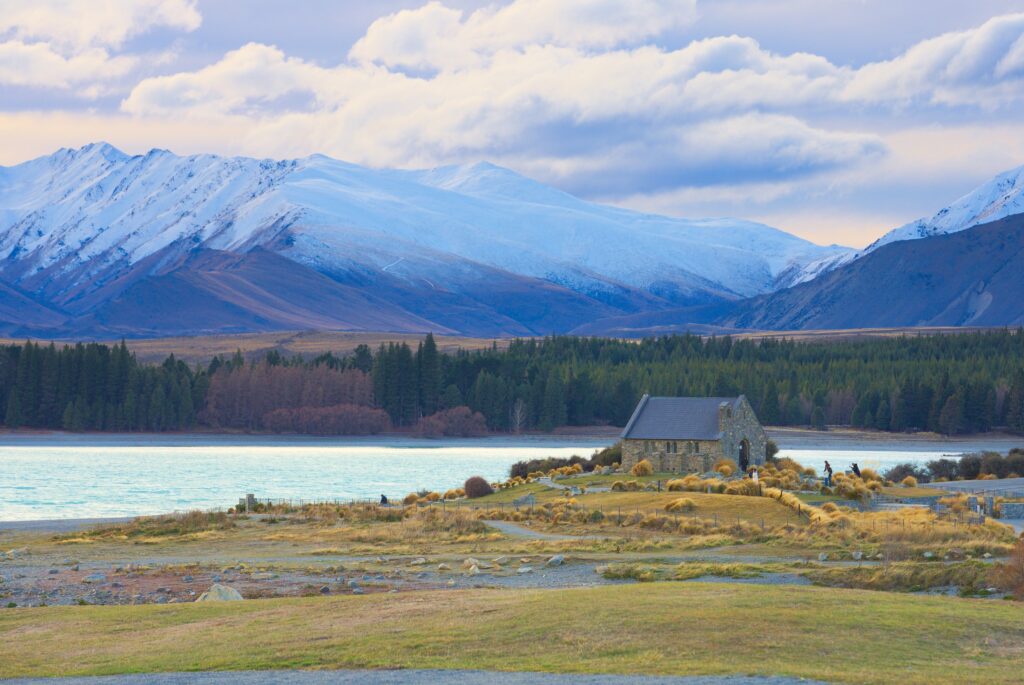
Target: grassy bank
point(661, 628)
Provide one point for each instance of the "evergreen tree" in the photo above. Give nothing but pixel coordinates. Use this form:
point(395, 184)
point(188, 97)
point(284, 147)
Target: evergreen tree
point(13, 417)
point(429, 364)
point(768, 411)
point(951, 416)
point(818, 419)
point(554, 413)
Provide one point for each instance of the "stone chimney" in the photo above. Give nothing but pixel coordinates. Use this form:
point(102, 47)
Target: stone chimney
point(724, 415)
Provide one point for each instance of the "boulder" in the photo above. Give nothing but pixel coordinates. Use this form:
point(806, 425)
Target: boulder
point(470, 562)
point(524, 569)
point(556, 560)
point(823, 556)
point(95, 578)
point(418, 562)
point(220, 593)
point(443, 567)
point(857, 556)
point(473, 570)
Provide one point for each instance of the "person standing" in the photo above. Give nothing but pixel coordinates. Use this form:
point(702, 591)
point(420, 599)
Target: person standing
point(855, 469)
point(828, 474)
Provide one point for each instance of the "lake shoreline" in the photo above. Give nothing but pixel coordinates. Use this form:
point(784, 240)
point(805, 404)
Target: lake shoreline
point(792, 437)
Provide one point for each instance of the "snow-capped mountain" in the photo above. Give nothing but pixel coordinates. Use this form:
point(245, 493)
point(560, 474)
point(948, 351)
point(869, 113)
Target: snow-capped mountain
point(1001, 197)
point(97, 240)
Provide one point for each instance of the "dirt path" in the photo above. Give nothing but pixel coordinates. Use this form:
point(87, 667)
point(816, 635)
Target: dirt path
point(517, 531)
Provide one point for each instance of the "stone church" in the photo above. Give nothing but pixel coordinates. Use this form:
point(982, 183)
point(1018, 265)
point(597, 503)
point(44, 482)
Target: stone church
point(688, 434)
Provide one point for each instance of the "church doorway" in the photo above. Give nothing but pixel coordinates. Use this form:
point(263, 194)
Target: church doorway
point(744, 454)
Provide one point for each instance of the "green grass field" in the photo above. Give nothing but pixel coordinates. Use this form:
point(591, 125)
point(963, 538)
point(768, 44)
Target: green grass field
point(846, 636)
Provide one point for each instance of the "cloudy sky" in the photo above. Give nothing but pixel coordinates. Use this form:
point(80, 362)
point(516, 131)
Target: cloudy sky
point(833, 119)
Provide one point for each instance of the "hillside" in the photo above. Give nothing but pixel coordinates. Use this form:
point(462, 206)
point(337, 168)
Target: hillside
point(967, 278)
point(96, 242)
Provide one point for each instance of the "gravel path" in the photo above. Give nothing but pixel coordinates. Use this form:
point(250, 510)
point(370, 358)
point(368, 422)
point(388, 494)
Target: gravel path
point(59, 525)
point(518, 531)
point(982, 486)
point(407, 677)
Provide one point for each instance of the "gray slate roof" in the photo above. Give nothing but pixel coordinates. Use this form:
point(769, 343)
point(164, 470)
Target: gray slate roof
point(677, 418)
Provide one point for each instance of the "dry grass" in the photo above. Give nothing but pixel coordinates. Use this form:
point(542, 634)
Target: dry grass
point(147, 528)
point(969, 577)
point(843, 636)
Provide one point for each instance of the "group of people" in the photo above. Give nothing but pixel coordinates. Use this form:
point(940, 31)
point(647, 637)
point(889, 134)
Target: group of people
point(828, 472)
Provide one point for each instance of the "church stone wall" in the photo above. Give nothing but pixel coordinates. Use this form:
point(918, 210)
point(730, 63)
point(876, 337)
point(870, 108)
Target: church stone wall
point(698, 456)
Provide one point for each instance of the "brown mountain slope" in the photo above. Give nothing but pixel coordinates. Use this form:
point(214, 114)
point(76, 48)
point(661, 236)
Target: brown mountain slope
point(971, 278)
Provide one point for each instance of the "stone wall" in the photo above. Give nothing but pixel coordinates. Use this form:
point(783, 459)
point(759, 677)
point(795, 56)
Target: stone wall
point(1012, 510)
point(692, 456)
point(739, 424)
point(698, 456)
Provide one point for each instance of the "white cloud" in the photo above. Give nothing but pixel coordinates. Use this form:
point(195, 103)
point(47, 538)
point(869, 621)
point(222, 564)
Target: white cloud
point(36, 64)
point(981, 66)
point(581, 93)
point(254, 77)
point(437, 37)
point(74, 26)
point(68, 43)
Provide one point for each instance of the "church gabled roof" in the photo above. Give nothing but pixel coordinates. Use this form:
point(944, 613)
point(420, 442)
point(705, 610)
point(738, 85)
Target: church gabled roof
point(677, 418)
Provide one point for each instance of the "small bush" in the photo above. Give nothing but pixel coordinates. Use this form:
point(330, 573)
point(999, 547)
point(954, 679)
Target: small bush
point(909, 482)
point(642, 468)
point(476, 486)
point(1010, 576)
point(618, 486)
point(411, 498)
point(681, 504)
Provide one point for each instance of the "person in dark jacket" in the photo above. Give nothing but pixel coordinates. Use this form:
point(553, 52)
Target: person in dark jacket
point(855, 469)
point(383, 501)
point(828, 474)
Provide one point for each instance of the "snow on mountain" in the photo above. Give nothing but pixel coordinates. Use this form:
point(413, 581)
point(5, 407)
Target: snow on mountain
point(82, 225)
point(1001, 197)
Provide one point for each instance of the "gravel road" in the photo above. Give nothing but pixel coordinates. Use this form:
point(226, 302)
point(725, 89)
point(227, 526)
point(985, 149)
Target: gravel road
point(406, 677)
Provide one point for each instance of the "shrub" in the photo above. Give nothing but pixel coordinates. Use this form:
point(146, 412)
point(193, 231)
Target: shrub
point(1010, 576)
point(476, 486)
point(970, 466)
point(454, 493)
point(681, 504)
point(432, 497)
point(900, 471)
point(909, 482)
point(726, 467)
point(943, 468)
point(642, 468)
point(618, 486)
point(411, 498)
point(868, 475)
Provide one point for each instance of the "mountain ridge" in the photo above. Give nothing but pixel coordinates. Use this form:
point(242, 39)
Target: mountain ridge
point(75, 226)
